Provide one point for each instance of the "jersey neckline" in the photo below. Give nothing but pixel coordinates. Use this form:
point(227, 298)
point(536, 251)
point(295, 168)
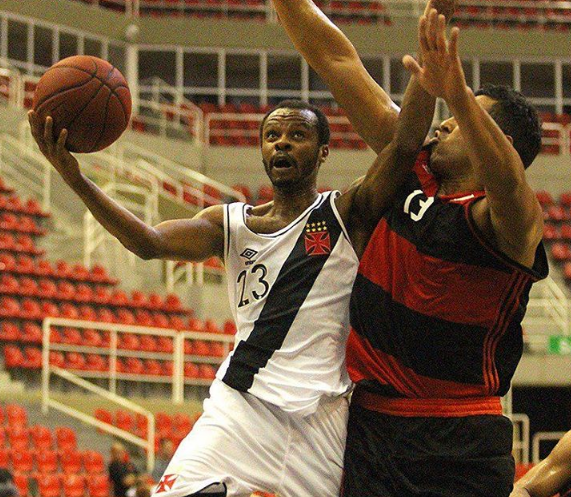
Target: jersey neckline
point(286, 228)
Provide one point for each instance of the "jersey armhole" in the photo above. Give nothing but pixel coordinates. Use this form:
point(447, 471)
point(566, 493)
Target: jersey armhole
point(332, 196)
point(540, 268)
point(226, 232)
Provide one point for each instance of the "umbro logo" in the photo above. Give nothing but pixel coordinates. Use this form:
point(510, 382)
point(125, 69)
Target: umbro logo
point(249, 254)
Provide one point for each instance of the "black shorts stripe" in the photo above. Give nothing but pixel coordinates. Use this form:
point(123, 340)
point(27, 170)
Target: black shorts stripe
point(294, 282)
point(429, 346)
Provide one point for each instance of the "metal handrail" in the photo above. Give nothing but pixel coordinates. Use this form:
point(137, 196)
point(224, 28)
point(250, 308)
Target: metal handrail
point(542, 436)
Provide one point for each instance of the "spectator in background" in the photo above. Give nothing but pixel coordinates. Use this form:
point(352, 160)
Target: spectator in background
point(7, 488)
point(122, 472)
point(164, 455)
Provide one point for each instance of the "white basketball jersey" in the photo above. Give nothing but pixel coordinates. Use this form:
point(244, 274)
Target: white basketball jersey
point(289, 293)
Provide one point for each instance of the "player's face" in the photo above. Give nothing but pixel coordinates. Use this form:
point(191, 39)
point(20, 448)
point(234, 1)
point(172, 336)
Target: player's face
point(449, 156)
point(290, 150)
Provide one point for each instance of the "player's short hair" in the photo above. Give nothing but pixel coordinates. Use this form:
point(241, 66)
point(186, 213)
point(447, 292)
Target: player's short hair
point(323, 132)
point(517, 118)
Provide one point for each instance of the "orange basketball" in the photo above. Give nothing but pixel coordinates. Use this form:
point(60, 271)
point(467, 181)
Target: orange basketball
point(88, 97)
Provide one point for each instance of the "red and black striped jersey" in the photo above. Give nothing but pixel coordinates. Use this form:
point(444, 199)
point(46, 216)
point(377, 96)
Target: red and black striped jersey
point(436, 311)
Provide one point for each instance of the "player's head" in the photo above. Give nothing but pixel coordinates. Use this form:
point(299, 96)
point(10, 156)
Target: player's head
point(294, 139)
point(514, 115)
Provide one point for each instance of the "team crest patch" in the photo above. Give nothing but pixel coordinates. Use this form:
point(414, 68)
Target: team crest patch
point(317, 240)
point(166, 483)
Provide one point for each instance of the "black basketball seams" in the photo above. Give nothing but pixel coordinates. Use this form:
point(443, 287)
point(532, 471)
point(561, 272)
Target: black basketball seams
point(104, 122)
point(61, 92)
point(93, 76)
point(93, 97)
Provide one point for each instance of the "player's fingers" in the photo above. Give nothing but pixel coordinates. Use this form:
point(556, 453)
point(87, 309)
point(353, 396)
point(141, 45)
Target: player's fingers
point(431, 29)
point(48, 127)
point(61, 140)
point(441, 34)
point(422, 40)
point(33, 120)
point(411, 65)
point(453, 46)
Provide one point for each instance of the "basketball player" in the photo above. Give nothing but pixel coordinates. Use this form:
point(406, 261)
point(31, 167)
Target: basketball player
point(551, 476)
point(277, 413)
point(443, 284)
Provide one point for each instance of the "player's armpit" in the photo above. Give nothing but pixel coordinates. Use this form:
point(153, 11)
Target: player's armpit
point(193, 239)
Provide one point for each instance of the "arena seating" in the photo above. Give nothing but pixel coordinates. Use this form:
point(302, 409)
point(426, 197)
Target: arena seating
point(33, 288)
point(557, 228)
point(502, 14)
point(50, 459)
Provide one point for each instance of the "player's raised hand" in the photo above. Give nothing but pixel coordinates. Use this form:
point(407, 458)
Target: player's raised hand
point(54, 150)
point(441, 73)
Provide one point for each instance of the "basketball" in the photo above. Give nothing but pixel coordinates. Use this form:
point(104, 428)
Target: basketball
point(88, 97)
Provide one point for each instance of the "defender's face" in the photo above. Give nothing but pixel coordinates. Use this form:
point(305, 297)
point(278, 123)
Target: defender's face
point(290, 150)
point(449, 152)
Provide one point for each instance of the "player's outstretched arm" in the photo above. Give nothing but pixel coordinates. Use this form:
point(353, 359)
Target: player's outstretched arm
point(364, 205)
point(187, 239)
point(510, 215)
point(549, 476)
point(330, 53)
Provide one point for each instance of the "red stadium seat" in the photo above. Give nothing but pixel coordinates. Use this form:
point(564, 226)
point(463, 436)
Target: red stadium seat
point(31, 309)
point(49, 485)
point(138, 299)
point(99, 486)
point(65, 290)
point(21, 483)
point(74, 361)
point(172, 303)
point(134, 366)
point(41, 437)
point(101, 295)
point(47, 461)
point(25, 264)
point(4, 458)
point(71, 336)
point(119, 297)
point(125, 316)
point(160, 320)
point(164, 344)
point(44, 268)
point(9, 307)
point(561, 251)
point(565, 199)
point(18, 437)
point(92, 338)
point(163, 422)
point(80, 272)
point(83, 293)
point(211, 327)
point(28, 286)
point(207, 372)
point(567, 271)
point(32, 358)
point(31, 333)
point(57, 359)
point(70, 461)
point(22, 460)
point(201, 348)
point(182, 422)
point(74, 486)
point(124, 420)
point(557, 213)
point(9, 331)
point(229, 328)
point(148, 343)
point(191, 370)
point(106, 316)
point(566, 231)
point(128, 341)
point(94, 362)
point(143, 317)
point(62, 269)
point(153, 367)
point(49, 309)
point(99, 274)
point(68, 310)
point(93, 462)
point(155, 301)
point(104, 416)
point(195, 324)
point(177, 323)
point(87, 313)
point(47, 288)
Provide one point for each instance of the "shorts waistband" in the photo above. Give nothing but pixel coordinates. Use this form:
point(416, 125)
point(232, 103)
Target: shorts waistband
point(409, 407)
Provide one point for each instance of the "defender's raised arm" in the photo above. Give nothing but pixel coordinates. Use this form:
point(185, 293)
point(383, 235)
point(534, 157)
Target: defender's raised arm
point(330, 53)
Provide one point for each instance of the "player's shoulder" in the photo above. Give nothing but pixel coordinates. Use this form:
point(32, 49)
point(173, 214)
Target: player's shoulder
point(214, 214)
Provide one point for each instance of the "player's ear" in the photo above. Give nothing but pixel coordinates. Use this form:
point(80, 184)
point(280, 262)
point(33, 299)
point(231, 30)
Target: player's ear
point(323, 153)
point(511, 140)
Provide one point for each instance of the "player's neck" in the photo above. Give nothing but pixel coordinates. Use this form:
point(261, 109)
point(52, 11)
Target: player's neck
point(288, 203)
point(460, 184)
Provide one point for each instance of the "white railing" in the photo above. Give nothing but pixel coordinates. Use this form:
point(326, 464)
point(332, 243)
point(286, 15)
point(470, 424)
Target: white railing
point(543, 436)
point(11, 86)
point(187, 180)
point(113, 376)
point(548, 314)
point(521, 438)
point(26, 169)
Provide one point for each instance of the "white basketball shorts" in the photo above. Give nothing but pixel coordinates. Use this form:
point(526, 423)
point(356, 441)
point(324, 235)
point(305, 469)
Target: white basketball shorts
point(248, 445)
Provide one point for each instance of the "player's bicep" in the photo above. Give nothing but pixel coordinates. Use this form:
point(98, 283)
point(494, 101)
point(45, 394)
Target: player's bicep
point(369, 109)
point(193, 239)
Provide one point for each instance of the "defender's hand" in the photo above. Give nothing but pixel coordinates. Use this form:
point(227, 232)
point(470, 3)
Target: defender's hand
point(441, 73)
point(55, 151)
